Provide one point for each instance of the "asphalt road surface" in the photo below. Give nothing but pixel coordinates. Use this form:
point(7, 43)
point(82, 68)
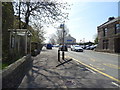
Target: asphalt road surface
point(88, 69)
point(104, 63)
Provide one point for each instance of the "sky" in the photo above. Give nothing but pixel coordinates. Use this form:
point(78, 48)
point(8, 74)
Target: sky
point(84, 17)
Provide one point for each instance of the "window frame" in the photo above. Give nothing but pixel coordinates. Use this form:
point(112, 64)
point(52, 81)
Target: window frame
point(117, 28)
point(105, 31)
point(105, 44)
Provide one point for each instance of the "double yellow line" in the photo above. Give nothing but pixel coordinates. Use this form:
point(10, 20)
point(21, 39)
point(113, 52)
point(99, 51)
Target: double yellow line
point(95, 70)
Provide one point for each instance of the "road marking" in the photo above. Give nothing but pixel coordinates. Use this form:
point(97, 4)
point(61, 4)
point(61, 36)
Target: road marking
point(95, 70)
point(97, 67)
point(106, 64)
point(116, 84)
point(92, 59)
point(102, 69)
point(91, 70)
point(109, 53)
point(111, 65)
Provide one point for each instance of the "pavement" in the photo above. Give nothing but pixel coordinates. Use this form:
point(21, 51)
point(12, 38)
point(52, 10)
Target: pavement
point(48, 72)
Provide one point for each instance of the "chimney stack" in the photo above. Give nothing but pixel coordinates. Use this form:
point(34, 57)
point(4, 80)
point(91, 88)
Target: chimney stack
point(110, 18)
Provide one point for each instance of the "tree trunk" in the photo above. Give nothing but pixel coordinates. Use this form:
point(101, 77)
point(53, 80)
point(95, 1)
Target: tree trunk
point(27, 15)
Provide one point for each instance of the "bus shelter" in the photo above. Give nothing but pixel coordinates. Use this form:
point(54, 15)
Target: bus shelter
point(20, 42)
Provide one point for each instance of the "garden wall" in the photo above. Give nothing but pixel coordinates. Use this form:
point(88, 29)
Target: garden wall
point(14, 73)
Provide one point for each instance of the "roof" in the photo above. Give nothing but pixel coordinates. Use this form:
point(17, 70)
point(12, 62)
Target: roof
point(20, 31)
point(109, 22)
point(69, 36)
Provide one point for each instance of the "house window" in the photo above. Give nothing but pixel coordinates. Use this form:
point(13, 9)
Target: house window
point(105, 30)
point(117, 28)
point(12, 41)
point(105, 44)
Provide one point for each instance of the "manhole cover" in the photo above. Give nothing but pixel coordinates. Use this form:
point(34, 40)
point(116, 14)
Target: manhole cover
point(68, 83)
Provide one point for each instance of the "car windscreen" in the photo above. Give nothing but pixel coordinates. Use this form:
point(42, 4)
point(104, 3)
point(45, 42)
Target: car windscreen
point(49, 45)
point(77, 46)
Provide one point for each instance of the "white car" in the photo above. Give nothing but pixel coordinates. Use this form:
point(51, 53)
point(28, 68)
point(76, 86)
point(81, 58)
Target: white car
point(76, 48)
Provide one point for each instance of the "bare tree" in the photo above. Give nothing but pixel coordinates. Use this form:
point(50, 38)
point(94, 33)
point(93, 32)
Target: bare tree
point(96, 39)
point(52, 39)
point(44, 11)
point(59, 34)
point(39, 31)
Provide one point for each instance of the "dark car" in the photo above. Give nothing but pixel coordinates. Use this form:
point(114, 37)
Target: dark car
point(63, 48)
point(49, 46)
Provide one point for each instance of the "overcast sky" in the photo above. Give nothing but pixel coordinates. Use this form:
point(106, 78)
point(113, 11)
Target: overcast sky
point(84, 17)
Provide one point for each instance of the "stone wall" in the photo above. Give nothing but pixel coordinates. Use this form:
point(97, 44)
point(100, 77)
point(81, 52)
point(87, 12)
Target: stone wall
point(14, 73)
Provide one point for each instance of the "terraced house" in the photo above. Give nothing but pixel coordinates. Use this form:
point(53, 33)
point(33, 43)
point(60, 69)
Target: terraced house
point(109, 36)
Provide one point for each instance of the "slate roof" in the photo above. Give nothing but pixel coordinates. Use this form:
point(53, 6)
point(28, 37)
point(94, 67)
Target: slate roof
point(109, 22)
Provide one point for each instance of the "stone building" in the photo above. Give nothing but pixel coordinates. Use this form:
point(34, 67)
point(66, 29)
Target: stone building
point(109, 36)
point(69, 40)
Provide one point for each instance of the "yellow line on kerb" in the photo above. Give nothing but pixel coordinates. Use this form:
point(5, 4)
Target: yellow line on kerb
point(95, 69)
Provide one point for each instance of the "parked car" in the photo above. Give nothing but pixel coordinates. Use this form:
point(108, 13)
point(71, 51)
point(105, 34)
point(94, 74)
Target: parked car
point(49, 46)
point(92, 47)
point(83, 46)
point(76, 48)
point(87, 48)
point(56, 45)
point(63, 48)
point(71, 47)
point(68, 46)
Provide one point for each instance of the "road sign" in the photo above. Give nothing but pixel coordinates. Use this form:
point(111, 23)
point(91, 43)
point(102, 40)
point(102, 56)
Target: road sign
point(69, 40)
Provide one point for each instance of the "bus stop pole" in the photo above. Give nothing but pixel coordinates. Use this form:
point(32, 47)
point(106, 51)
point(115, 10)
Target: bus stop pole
point(63, 55)
point(59, 55)
point(63, 44)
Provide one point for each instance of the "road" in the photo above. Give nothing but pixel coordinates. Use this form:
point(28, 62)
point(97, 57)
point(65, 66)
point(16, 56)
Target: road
point(104, 63)
point(84, 70)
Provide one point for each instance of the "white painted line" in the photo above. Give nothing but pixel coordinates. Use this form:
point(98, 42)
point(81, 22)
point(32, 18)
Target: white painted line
point(97, 67)
point(116, 84)
point(91, 64)
point(91, 70)
point(109, 53)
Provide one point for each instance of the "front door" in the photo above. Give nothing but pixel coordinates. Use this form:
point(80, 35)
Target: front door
point(117, 45)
